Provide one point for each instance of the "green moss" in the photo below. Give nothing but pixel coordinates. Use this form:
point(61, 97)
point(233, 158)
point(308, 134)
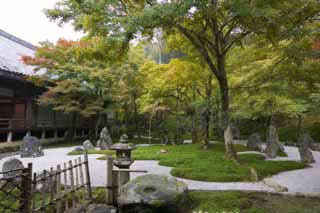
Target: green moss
point(232, 201)
point(192, 162)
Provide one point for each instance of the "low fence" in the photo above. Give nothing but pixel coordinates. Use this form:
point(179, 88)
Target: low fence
point(15, 190)
point(56, 190)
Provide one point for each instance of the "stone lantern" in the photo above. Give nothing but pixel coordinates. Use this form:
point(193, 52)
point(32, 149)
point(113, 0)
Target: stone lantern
point(123, 158)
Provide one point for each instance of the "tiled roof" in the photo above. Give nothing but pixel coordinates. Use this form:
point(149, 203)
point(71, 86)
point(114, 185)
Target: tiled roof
point(11, 51)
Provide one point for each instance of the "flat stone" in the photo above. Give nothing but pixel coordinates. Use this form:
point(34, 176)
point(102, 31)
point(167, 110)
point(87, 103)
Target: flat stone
point(100, 208)
point(151, 192)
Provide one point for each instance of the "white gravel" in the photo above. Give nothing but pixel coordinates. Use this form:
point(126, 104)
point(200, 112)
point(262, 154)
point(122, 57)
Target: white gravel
point(304, 181)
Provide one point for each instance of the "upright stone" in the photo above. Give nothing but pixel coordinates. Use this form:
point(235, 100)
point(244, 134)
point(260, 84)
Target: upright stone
point(105, 141)
point(254, 142)
point(87, 145)
point(305, 141)
point(31, 147)
point(273, 145)
point(306, 155)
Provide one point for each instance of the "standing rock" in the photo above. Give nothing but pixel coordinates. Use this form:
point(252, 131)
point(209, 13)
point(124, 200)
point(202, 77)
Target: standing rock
point(12, 164)
point(31, 147)
point(164, 138)
point(105, 139)
point(254, 142)
point(87, 145)
point(306, 155)
point(273, 144)
point(305, 141)
point(153, 193)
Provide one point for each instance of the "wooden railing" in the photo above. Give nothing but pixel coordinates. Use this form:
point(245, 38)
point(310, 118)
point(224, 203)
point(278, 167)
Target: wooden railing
point(68, 187)
point(13, 123)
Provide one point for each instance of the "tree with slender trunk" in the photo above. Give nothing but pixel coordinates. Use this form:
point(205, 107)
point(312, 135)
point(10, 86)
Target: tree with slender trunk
point(213, 27)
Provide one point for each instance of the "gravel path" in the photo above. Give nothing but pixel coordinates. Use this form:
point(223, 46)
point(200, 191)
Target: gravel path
point(304, 181)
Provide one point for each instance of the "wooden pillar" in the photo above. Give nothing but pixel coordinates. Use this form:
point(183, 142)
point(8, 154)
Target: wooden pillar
point(55, 134)
point(43, 134)
point(28, 116)
point(9, 136)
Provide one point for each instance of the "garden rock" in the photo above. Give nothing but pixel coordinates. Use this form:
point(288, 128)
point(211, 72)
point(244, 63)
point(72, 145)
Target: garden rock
point(254, 142)
point(306, 155)
point(87, 145)
point(31, 147)
point(165, 139)
point(100, 208)
point(153, 193)
point(78, 149)
point(305, 141)
point(273, 145)
point(48, 184)
point(105, 140)
point(12, 164)
point(276, 186)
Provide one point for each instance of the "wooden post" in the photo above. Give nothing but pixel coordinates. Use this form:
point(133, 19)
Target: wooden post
point(72, 184)
point(43, 193)
point(81, 176)
point(52, 190)
point(77, 179)
point(87, 173)
point(26, 189)
point(34, 187)
point(65, 188)
point(115, 185)
point(58, 189)
point(109, 194)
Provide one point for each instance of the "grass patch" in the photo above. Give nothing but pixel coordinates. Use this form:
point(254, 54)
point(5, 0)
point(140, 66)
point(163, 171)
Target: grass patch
point(192, 162)
point(231, 201)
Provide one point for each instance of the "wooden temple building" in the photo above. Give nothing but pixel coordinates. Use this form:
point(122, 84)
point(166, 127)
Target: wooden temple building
point(20, 114)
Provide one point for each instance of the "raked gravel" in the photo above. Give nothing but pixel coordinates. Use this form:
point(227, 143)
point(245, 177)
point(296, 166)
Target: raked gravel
point(304, 181)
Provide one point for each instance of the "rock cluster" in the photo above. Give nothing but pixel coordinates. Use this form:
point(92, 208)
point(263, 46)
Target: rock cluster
point(105, 141)
point(31, 147)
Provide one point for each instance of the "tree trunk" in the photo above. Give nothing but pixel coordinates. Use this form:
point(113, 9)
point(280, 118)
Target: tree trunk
point(135, 111)
point(194, 114)
point(224, 92)
point(71, 130)
point(207, 113)
point(97, 125)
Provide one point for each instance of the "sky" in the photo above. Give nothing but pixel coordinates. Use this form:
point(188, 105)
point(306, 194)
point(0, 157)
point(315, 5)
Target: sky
point(26, 20)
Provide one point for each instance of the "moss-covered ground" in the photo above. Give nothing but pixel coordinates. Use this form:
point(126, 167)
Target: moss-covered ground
point(242, 202)
point(192, 162)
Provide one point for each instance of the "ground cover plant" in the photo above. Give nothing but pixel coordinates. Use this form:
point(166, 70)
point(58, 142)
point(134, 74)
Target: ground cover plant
point(193, 162)
point(254, 202)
